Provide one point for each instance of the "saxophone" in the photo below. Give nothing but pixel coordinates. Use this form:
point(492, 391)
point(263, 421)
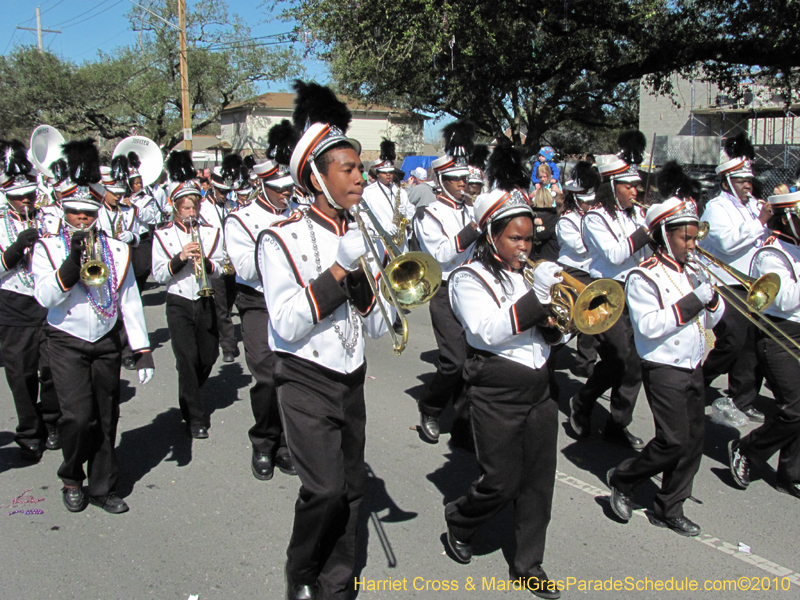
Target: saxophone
point(399, 221)
point(118, 224)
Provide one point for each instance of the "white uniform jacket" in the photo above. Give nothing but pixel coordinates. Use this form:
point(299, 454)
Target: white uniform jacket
point(214, 214)
point(242, 229)
point(163, 204)
point(381, 200)
point(735, 233)
point(14, 279)
point(572, 251)
point(665, 313)
point(781, 257)
point(69, 309)
point(501, 321)
point(616, 244)
point(149, 212)
point(123, 217)
point(303, 304)
point(443, 230)
point(170, 269)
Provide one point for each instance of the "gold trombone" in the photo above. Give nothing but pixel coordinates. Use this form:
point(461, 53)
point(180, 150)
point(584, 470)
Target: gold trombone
point(199, 263)
point(590, 309)
point(761, 293)
point(407, 281)
point(94, 272)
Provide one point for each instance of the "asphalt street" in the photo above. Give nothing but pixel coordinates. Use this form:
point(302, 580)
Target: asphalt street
point(201, 525)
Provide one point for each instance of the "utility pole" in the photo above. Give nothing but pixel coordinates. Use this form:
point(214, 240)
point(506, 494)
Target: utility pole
point(186, 109)
point(39, 29)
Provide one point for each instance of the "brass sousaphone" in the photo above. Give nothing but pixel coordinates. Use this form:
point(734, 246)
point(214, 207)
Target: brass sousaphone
point(150, 156)
point(45, 148)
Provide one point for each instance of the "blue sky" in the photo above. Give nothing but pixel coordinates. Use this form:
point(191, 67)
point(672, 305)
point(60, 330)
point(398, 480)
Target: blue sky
point(91, 26)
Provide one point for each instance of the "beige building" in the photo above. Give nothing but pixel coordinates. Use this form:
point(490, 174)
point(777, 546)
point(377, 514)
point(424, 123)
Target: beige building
point(244, 125)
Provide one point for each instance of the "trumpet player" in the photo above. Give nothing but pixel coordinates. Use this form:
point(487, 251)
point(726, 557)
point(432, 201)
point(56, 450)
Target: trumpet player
point(148, 215)
point(320, 308)
point(671, 307)
point(616, 237)
point(446, 230)
point(780, 433)
point(242, 229)
point(387, 200)
point(187, 255)
point(23, 344)
point(738, 227)
point(514, 418)
point(85, 315)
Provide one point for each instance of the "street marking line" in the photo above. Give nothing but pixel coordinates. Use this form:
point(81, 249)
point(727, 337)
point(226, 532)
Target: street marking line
point(704, 538)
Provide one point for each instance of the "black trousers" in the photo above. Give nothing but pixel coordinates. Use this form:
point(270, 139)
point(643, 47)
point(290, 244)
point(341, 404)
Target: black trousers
point(676, 398)
point(224, 298)
point(266, 434)
point(780, 433)
point(734, 353)
point(27, 365)
point(515, 424)
point(142, 260)
point(86, 376)
point(619, 369)
point(448, 381)
point(192, 328)
point(324, 415)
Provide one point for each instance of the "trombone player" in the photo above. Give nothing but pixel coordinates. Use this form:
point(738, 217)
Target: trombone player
point(780, 254)
point(85, 315)
point(187, 255)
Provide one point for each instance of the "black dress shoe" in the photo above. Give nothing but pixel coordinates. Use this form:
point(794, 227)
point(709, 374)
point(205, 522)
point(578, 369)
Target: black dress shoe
point(793, 489)
point(74, 498)
point(755, 415)
point(680, 525)
point(129, 363)
point(227, 357)
point(462, 551)
point(198, 433)
point(580, 422)
point(622, 437)
point(542, 587)
point(31, 451)
point(620, 503)
point(299, 591)
point(53, 440)
point(285, 464)
point(429, 428)
point(111, 504)
point(739, 465)
point(262, 466)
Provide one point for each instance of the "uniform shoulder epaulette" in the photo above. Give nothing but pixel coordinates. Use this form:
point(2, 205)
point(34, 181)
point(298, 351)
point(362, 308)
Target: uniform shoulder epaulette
point(649, 263)
point(771, 240)
point(166, 225)
point(292, 218)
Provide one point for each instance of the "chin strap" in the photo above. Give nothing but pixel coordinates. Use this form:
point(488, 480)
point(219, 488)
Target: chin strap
point(325, 191)
point(73, 229)
point(270, 202)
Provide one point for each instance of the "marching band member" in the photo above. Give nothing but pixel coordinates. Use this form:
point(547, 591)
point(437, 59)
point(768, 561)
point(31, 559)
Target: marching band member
point(23, 344)
point(382, 196)
point(781, 432)
point(616, 237)
point(446, 231)
point(514, 418)
point(83, 333)
point(580, 197)
point(147, 217)
point(671, 307)
point(242, 229)
point(320, 307)
point(737, 228)
point(215, 207)
point(186, 256)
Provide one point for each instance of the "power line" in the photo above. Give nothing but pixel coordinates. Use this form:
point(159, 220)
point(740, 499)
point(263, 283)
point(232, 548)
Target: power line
point(95, 15)
point(52, 7)
point(81, 14)
point(11, 39)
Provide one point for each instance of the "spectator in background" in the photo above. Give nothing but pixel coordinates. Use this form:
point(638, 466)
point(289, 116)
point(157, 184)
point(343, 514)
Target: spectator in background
point(545, 240)
point(421, 194)
point(546, 156)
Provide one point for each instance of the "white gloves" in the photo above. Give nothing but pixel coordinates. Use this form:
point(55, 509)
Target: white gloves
point(391, 229)
point(351, 247)
point(544, 277)
point(145, 375)
point(126, 237)
point(704, 292)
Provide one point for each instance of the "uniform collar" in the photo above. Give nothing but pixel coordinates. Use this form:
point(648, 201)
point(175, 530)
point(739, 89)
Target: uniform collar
point(182, 226)
point(785, 239)
point(34, 213)
point(264, 204)
point(668, 261)
point(448, 202)
point(325, 221)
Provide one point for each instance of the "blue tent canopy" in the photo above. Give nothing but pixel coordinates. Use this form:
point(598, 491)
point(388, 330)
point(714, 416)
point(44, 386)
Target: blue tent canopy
point(412, 162)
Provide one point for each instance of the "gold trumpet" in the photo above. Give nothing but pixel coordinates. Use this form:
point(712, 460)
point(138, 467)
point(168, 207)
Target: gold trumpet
point(409, 280)
point(589, 309)
point(199, 263)
point(94, 272)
